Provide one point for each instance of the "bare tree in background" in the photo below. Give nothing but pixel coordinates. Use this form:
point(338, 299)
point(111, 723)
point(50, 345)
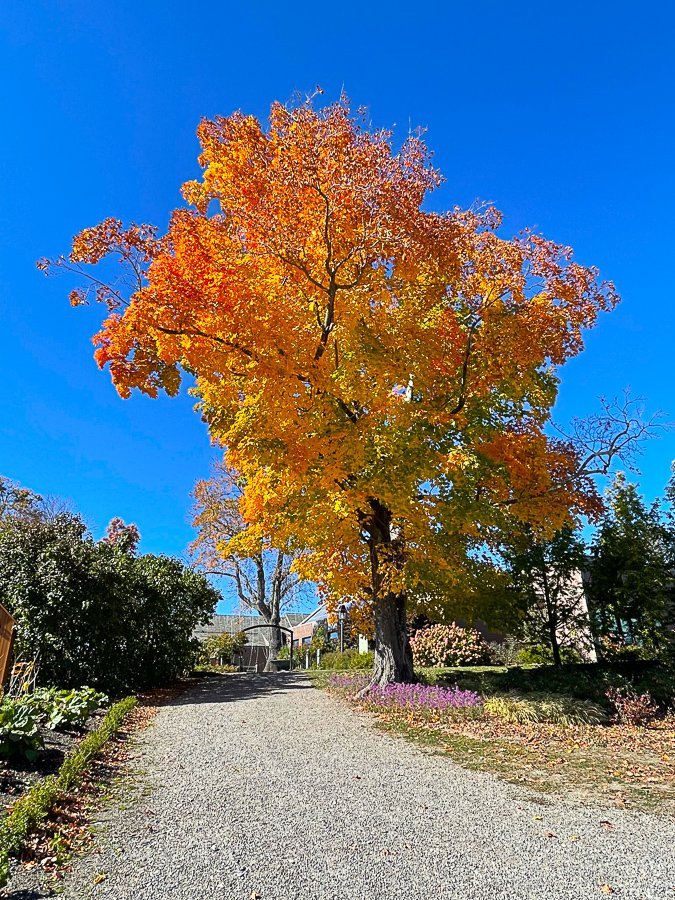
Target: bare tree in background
point(264, 581)
point(21, 506)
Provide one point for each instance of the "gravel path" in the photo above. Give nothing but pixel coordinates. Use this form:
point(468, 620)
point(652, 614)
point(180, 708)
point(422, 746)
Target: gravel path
point(262, 787)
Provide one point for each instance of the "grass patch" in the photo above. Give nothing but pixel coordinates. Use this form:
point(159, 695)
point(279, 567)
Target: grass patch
point(31, 809)
point(551, 759)
point(548, 743)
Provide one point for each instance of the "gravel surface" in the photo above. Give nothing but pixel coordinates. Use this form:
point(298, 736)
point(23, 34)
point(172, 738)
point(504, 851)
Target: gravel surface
point(254, 787)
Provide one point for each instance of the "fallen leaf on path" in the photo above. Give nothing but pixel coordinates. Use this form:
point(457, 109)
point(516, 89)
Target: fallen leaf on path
point(549, 834)
point(100, 877)
point(606, 889)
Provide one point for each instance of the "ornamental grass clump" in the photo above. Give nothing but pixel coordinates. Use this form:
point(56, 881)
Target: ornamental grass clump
point(449, 645)
point(545, 708)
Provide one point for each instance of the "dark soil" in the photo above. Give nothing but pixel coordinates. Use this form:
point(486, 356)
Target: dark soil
point(17, 774)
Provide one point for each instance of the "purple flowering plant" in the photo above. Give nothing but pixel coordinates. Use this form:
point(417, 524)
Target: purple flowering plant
point(431, 701)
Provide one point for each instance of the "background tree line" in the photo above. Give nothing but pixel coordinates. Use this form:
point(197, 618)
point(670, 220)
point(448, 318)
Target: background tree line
point(613, 598)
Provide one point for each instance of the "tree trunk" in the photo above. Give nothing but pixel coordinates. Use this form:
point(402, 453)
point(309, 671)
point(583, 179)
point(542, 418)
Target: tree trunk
point(393, 656)
point(275, 646)
point(551, 619)
point(557, 661)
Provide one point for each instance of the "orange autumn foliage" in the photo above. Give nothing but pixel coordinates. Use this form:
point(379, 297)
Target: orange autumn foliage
point(351, 347)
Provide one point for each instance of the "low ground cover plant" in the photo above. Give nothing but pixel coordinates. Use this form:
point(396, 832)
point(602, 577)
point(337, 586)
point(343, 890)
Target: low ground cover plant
point(23, 719)
point(20, 729)
point(62, 708)
point(428, 700)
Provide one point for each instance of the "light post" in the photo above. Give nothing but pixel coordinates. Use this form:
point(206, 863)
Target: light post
point(342, 615)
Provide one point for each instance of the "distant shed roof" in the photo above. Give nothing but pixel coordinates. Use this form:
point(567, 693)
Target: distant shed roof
point(233, 624)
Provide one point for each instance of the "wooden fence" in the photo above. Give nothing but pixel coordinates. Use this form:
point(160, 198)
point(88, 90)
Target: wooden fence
point(6, 643)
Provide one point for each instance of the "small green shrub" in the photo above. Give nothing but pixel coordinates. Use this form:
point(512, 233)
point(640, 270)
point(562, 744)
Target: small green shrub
point(615, 649)
point(222, 646)
point(505, 653)
point(545, 708)
point(449, 645)
point(540, 654)
point(350, 659)
point(61, 708)
point(19, 729)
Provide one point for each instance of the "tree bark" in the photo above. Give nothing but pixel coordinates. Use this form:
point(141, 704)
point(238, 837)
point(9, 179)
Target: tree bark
point(274, 647)
point(272, 613)
point(551, 619)
point(393, 655)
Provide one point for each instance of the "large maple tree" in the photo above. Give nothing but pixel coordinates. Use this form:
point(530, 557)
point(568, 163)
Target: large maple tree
point(379, 374)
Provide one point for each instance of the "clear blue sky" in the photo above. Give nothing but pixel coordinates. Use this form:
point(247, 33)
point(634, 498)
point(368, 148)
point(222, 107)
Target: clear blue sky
point(563, 115)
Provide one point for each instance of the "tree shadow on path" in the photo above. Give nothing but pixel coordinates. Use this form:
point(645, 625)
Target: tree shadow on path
point(237, 687)
point(25, 895)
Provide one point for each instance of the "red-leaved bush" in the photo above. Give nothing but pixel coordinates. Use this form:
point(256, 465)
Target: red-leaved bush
point(449, 645)
point(632, 708)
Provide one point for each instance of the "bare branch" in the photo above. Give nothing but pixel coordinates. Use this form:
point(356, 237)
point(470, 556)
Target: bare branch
point(618, 433)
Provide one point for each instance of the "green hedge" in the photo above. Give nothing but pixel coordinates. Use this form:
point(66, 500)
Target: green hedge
point(34, 806)
point(350, 659)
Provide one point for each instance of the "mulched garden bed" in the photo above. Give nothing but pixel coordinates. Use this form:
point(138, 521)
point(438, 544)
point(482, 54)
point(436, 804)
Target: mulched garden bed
point(18, 774)
point(66, 831)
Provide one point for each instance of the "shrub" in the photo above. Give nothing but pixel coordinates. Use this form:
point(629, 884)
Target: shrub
point(504, 653)
point(222, 646)
point(449, 645)
point(350, 659)
point(545, 708)
point(540, 654)
point(214, 669)
point(95, 614)
point(632, 708)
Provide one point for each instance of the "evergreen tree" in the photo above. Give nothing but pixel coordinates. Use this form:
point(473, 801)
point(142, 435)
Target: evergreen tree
point(631, 572)
point(546, 578)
